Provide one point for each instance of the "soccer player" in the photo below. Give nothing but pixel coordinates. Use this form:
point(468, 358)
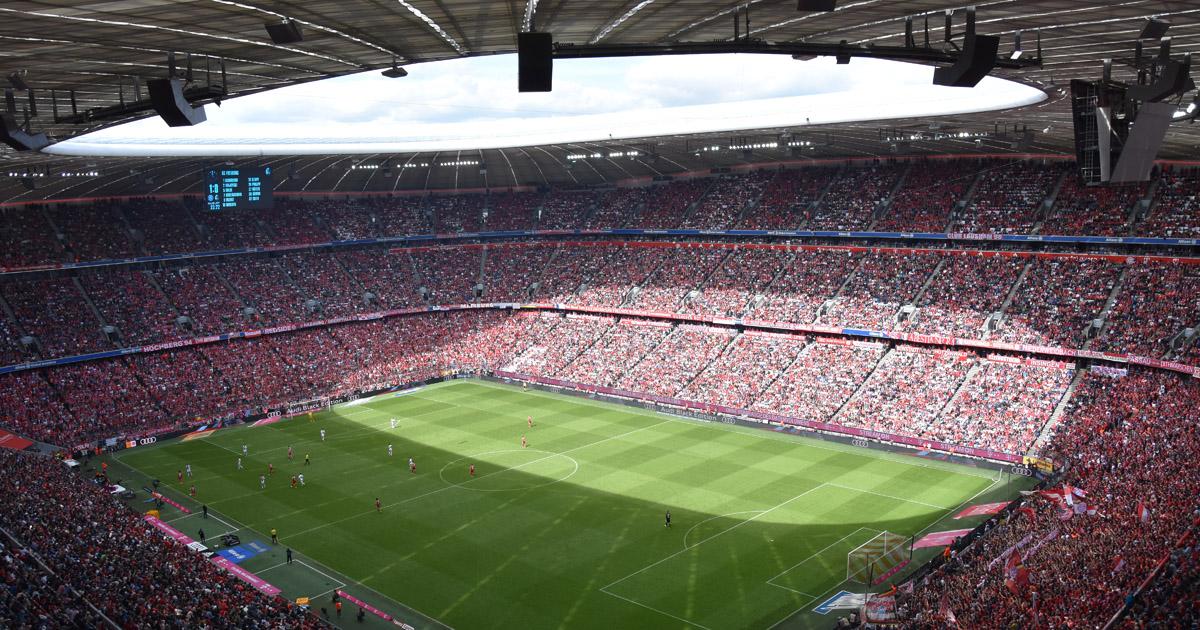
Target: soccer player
point(274, 536)
point(205, 508)
point(389, 450)
point(192, 491)
point(306, 462)
point(524, 387)
point(322, 435)
point(188, 468)
point(412, 466)
point(472, 470)
point(239, 463)
point(270, 469)
point(378, 505)
point(668, 523)
point(530, 421)
point(245, 450)
point(523, 442)
point(262, 482)
point(301, 477)
point(289, 555)
point(290, 453)
point(179, 476)
point(293, 481)
point(393, 423)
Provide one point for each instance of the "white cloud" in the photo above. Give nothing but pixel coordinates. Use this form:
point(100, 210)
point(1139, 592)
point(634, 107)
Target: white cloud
point(473, 103)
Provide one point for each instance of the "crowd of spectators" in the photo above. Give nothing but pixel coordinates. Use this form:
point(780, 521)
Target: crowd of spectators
point(1175, 212)
point(676, 361)
point(823, 377)
point(93, 231)
point(198, 293)
point(85, 555)
point(963, 294)
point(1002, 406)
point(565, 210)
point(609, 276)
point(451, 274)
point(786, 200)
point(907, 391)
point(615, 208)
point(263, 284)
point(666, 205)
point(684, 269)
point(749, 365)
point(1057, 301)
point(510, 273)
point(389, 274)
point(161, 226)
point(26, 239)
point(1008, 198)
point(743, 275)
point(1092, 210)
point(322, 277)
point(52, 310)
point(457, 213)
point(128, 301)
point(725, 200)
point(852, 198)
point(927, 197)
point(512, 211)
point(1126, 442)
point(622, 347)
point(812, 278)
point(1155, 305)
point(883, 282)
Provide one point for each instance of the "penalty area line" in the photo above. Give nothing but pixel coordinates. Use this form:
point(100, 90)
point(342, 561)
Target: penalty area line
point(648, 607)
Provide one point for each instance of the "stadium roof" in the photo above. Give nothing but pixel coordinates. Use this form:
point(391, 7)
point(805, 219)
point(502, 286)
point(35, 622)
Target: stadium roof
point(101, 49)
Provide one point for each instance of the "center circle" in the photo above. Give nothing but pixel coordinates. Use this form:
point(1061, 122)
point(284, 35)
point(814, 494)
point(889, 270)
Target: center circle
point(509, 470)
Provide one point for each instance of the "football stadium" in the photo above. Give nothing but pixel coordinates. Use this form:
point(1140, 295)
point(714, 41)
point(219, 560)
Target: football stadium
point(565, 314)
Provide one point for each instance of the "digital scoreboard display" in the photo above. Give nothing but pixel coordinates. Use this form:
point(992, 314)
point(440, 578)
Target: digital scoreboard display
point(234, 187)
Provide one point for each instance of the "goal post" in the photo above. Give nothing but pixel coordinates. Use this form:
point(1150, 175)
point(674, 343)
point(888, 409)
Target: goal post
point(878, 559)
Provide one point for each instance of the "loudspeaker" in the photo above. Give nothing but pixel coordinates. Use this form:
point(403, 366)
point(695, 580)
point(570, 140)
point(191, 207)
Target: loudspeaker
point(1174, 79)
point(976, 61)
point(284, 32)
point(166, 95)
point(19, 139)
point(535, 62)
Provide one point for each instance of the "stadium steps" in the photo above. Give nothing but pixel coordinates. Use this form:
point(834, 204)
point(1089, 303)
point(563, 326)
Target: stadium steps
point(881, 210)
point(603, 336)
point(779, 374)
point(699, 288)
point(961, 204)
point(1136, 217)
point(633, 366)
point(135, 236)
point(1108, 307)
point(418, 279)
point(716, 357)
point(695, 205)
point(642, 284)
point(482, 275)
point(1049, 202)
point(976, 368)
point(87, 299)
point(197, 229)
point(591, 210)
point(216, 269)
point(862, 387)
point(750, 204)
point(783, 269)
point(1012, 295)
point(1048, 431)
point(354, 281)
point(816, 203)
point(928, 281)
point(153, 282)
point(542, 273)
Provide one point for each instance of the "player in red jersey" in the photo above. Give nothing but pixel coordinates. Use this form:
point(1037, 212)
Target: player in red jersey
point(472, 470)
point(530, 421)
point(290, 454)
point(270, 469)
point(523, 442)
point(293, 481)
point(412, 466)
point(378, 505)
point(179, 476)
point(193, 491)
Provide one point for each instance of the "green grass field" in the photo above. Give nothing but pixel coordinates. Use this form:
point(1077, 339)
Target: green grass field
point(567, 532)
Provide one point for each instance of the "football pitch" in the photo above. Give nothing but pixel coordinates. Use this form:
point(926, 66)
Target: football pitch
point(566, 532)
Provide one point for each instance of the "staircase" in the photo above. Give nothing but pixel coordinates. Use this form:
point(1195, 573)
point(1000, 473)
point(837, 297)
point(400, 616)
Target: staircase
point(976, 367)
point(691, 209)
point(1108, 306)
point(1049, 202)
point(816, 203)
point(862, 387)
point(1047, 432)
point(778, 374)
point(882, 209)
point(783, 269)
point(87, 299)
point(725, 348)
point(1012, 295)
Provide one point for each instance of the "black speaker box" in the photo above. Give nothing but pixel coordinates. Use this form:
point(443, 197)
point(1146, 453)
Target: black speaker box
point(977, 60)
point(535, 62)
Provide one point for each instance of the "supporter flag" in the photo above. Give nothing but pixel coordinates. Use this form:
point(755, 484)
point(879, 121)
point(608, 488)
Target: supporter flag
point(1029, 511)
point(1143, 512)
point(1016, 576)
point(946, 612)
point(1118, 565)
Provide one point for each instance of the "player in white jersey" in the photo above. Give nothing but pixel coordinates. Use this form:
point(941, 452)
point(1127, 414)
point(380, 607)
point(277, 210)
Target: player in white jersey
point(188, 468)
point(393, 423)
point(412, 466)
point(245, 450)
point(322, 435)
point(301, 478)
point(389, 450)
point(262, 482)
point(239, 463)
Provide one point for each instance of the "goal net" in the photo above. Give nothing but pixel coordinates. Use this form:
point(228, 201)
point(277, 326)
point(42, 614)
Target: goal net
point(877, 559)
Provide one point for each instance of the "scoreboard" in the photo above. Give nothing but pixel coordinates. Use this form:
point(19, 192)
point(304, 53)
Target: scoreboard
point(233, 187)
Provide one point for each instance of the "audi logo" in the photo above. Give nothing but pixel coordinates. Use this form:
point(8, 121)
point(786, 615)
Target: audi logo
point(861, 443)
point(147, 440)
point(1021, 470)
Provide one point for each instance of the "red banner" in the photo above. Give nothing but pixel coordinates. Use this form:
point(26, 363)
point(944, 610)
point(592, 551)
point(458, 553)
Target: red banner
point(14, 442)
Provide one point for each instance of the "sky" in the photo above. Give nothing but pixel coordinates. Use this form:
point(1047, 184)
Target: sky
point(473, 103)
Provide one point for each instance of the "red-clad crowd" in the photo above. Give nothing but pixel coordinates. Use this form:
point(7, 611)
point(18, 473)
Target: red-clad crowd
point(79, 558)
